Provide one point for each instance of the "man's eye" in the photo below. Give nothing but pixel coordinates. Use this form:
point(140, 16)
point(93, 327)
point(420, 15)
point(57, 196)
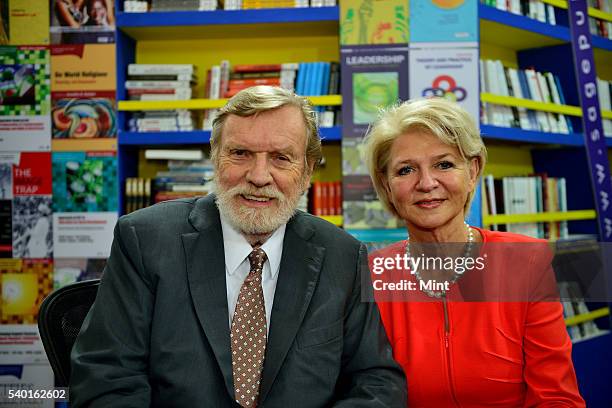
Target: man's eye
point(405, 170)
point(238, 152)
point(282, 157)
point(445, 165)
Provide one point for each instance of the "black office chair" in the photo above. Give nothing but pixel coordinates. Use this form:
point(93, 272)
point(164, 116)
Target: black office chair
point(59, 321)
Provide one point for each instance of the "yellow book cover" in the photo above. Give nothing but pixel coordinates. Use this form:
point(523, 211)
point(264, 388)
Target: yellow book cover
point(83, 67)
point(24, 22)
point(24, 284)
point(366, 22)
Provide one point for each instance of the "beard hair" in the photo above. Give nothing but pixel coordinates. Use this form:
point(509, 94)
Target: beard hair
point(255, 220)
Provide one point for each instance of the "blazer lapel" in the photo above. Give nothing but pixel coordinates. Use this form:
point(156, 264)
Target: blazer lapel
point(298, 276)
point(205, 265)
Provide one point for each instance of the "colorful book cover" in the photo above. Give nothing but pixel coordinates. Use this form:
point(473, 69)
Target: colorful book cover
point(83, 115)
point(373, 77)
point(70, 270)
point(352, 157)
point(84, 181)
point(20, 344)
point(89, 234)
point(24, 22)
point(82, 22)
point(31, 221)
point(444, 21)
point(25, 283)
point(83, 67)
point(25, 99)
point(368, 22)
point(451, 73)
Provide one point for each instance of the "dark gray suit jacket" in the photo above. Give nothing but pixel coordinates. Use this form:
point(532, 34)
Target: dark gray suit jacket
point(158, 333)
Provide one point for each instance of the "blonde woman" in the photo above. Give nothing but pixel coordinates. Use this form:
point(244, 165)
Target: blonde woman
point(425, 158)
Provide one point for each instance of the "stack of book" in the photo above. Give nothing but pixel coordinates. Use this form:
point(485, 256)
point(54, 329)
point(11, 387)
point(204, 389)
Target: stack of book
point(183, 179)
point(528, 195)
point(154, 82)
point(260, 4)
point(523, 84)
point(161, 82)
point(534, 9)
point(325, 198)
point(179, 120)
point(600, 27)
point(135, 6)
point(184, 5)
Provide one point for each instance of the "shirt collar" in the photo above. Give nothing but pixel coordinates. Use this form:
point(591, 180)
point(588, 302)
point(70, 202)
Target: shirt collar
point(237, 248)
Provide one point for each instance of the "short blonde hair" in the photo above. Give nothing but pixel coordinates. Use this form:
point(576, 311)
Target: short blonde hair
point(257, 99)
point(442, 118)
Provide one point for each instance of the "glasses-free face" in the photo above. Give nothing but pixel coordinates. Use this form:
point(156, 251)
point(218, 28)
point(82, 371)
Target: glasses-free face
point(261, 169)
point(428, 181)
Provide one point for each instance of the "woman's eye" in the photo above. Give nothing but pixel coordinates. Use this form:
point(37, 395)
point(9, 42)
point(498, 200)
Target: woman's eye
point(445, 165)
point(405, 170)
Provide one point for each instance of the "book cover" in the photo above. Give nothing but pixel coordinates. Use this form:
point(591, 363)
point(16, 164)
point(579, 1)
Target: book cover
point(24, 22)
point(84, 181)
point(373, 77)
point(70, 270)
point(364, 22)
point(82, 22)
point(25, 102)
point(451, 73)
point(83, 115)
point(25, 283)
point(454, 21)
point(88, 234)
point(20, 344)
point(83, 67)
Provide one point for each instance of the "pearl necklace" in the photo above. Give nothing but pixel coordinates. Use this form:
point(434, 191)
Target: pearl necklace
point(456, 275)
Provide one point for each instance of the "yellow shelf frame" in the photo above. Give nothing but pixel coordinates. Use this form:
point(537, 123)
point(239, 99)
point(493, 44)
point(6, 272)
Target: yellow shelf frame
point(593, 12)
point(539, 217)
point(334, 219)
point(197, 104)
point(587, 317)
point(87, 145)
point(541, 106)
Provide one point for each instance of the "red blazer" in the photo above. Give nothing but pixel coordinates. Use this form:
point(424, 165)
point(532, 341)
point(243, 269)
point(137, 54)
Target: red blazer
point(502, 354)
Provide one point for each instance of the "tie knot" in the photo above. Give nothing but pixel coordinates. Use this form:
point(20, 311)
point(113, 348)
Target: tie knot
point(257, 258)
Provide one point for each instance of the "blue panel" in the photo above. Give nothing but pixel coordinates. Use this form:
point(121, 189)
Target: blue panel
point(520, 135)
point(379, 235)
point(217, 17)
point(331, 134)
point(125, 54)
point(592, 361)
point(475, 215)
point(523, 23)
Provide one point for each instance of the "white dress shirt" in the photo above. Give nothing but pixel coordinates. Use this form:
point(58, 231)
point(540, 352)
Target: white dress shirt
point(237, 266)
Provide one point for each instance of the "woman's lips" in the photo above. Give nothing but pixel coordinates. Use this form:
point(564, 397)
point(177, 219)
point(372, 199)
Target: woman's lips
point(429, 204)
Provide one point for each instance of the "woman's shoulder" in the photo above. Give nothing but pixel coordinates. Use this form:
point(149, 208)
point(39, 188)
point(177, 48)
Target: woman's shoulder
point(499, 236)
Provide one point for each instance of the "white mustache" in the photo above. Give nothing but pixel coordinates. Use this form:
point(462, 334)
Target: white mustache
point(269, 192)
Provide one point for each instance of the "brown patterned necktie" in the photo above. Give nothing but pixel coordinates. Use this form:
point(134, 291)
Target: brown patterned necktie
point(248, 334)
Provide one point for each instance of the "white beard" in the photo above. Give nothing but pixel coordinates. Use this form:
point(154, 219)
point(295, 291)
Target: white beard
point(255, 220)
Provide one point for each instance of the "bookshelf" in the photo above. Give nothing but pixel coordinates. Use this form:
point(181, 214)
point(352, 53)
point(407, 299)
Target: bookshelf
point(281, 35)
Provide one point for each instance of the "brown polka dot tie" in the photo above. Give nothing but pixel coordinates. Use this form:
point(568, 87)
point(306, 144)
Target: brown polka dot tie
point(249, 334)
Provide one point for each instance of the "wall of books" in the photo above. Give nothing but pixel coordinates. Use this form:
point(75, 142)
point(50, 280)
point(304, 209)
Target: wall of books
point(58, 165)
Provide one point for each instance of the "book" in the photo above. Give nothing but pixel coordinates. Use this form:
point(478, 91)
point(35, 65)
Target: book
point(161, 69)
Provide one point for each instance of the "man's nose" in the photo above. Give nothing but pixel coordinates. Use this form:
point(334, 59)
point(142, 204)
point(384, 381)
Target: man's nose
point(427, 181)
point(259, 172)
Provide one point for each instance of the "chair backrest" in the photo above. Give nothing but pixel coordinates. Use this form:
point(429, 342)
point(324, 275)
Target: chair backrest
point(59, 321)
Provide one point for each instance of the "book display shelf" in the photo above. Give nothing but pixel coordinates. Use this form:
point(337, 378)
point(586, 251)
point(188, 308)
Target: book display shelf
point(311, 34)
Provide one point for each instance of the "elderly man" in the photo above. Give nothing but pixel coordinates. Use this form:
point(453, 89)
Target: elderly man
point(237, 299)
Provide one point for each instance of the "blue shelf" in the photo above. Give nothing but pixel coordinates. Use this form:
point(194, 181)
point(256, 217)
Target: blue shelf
point(532, 26)
point(523, 23)
point(489, 132)
point(379, 235)
point(196, 137)
point(225, 17)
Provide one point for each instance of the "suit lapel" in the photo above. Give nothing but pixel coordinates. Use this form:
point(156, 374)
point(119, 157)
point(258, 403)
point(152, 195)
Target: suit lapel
point(298, 276)
point(205, 265)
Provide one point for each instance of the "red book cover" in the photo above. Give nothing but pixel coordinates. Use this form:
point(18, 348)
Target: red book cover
point(324, 198)
point(245, 83)
point(338, 203)
point(316, 198)
point(331, 198)
point(32, 176)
